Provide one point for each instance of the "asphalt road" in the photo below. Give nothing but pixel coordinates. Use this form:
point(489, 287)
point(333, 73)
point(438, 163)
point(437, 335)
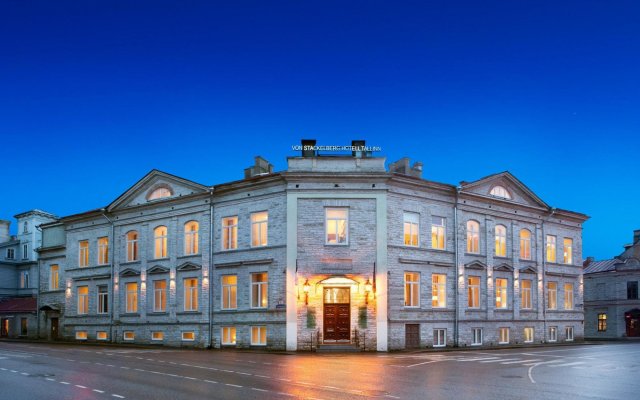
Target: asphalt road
point(60, 371)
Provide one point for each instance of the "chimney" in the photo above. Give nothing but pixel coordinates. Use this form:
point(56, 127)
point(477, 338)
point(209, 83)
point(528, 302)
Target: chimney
point(402, 167)
point(4, 231)
point(588, 261)
point(357, 149)
point(636, 236)
point(309, 152)
point(261, 167)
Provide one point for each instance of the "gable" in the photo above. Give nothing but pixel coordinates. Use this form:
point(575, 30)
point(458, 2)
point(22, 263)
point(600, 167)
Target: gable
point(516, 190)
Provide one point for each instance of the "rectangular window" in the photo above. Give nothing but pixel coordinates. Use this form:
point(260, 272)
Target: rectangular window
point(128, 335)
point(101, 335)
point(439, 337)
point(188, 336)
point(337, 226)
point(525, 294)
point(191, 294)
point(503, 334)
point(25, 251)
point(228, 335)
point(54, 277)
point(83, 300)
point(568, 333)
point(24, 279)
point(632, 290)
point(81, 335)
point(602, 322)
point(568, 296)
point(132, 297)
point(191, 240)
point(501, 241)
point(11, 254)
point(229, 292)
point(103, 299)
point(230, 233)
point(132, 246)
point(411, 229)
point(258, 335)
point(553, 333)
point(473, 289)
point(259, 227)
point(157, 336)
point(160, 242)
point(83, 254)
point(528, 335)
point(438, 291)
point(473, 237)
point(476, 339)
point(552, 295)
point(23, 327)
point(501, 293)
point(103, 251)
point(567, 253)
point(438, 233)
point(551, 248)
point(160, 295)
point(259, 290)
point(412, 289)
point(525, 244)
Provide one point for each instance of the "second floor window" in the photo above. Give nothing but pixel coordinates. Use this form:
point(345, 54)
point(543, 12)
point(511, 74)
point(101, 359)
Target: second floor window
point(229, 292)
point(632, 290)
point(259, 228)
point(337, 225)
point(83, 299)
point(160, 241)
point(160, 295)
point(132, 297)
point(438, 236)
point(473, 289)
point(103, 250)
point(259, 290)
point(54, 277)
point(501, 293)
point(473, 237)
point(191, 294)
point(501, 241)
point(567, 253)
point(412, 289)
point(552, 295)
point(438, 291)
point(24, 279)
point(191, 238)
point(132, 246)
point(230, 233)
point(83, 253)
point(411, 226)
point(525, 244)
point(11, 254)
point(551, 248)
point(568, 296)
point(103, 299)
point(525, 294)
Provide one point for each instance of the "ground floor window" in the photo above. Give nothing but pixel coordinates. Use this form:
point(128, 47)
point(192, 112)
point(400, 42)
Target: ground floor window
point(258, 335)
point(129, 335)
point(528, 335)
point(157, 336)
point(477, 337)
point(23, 326)
point(188, 336)
point(503, 334)
point(101, 335)
point(81, 335)
point(228, 335)
point(439, 337)
point(602, 322)
point(553, 333)
point(568, 332)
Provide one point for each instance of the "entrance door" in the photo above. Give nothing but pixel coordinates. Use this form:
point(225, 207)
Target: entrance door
point(4, 327)
point(337, 315)
point(633, 322)
point(412, 336)
point(54, 328)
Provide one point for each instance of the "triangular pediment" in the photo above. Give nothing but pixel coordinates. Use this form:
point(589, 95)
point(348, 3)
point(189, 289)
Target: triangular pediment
point(503, 267)
point(157, 269)
point(476, 265)
point(144, 191)
point(528, 270)
point(188, 266)
point(629, 264)
point(516, 191)
point(129, 272)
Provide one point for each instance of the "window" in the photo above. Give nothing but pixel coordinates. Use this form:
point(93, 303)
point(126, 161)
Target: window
point(83, 255)
point(191, 294)
point(191, 238)
point(83, 300)
point(501, 293)
point(229, 292)
point(473, 289)
point(476, 339)
point(25, 251)
point(160, 296)
point(132, 246)
point(258, 335)
point(473, 237)
point(157, 336)
point(259, 290)
point(528, 335)
point(81, 335)
point(632, 290)
point(438, 233)
point(503, 335)
point(188, 336)
point(568, 333)
point(25, 227)
point(160, 239)
point(228, 335)
point(551, 248)
point(438, 291)
point(24, 279)
point(553, 333)
point(337, 225)
point(411, 226)
point(101, 335)
point(525, 294)
point(602, 322)
point(229, 233)
point(132, 297)
point(501, 241)
point(552, 295)
point(525, 244)
point(259, 225)
point(54, 277)
point(567, 254)
point(103, 299)
point(412, 289)
point(568, 296)
point(159, 193)
point(11, 253)
point(128, 335)
point(439, 337)
point(23, 327)
point(103, 251)
point(500, 191)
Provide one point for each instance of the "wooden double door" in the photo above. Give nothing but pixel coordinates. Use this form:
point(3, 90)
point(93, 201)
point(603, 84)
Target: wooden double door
point(337, 315)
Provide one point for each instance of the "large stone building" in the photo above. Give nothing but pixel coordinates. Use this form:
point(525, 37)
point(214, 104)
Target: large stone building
point(336, 249)
point(612, 305)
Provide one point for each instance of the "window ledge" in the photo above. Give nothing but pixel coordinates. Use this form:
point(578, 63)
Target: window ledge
point(160, 259)
point(130, 315)
point(190, 255)
point(158, 313)
point(189, 313)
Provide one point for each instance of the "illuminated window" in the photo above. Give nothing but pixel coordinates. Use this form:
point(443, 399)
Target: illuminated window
point(439, 337)
point(103, 251)
point(411, 229)
point(553, 333)
point(259, 290)
point(258, 335)
point(503, 335)
point(132, 246)
point(128, 335)
point(525, 294)
point(337, 225)
point(568, 296)
point(83, 299)
point(160, 239)
point(188, 336)
point(438, 233)
point(473, 291)
point(229, 233)
point(568, 333)
point(551, 248)
point(438, 290)
point(259, 228)
point(157, 336)
point(54, 277)
point(567, 253)
point(81, 335)
point(552, 295)
point(191, 294)
point(229, 292)
point(83, 254)
point(602, 322)
point(501, 293)
point(101, 335)
point(132, 297)
point(476, 339)
point(228, 335)
point(160, 193)
point(11, 253)
point(501, 241)
point(103, 299)
point(412, 289)
point(525, 244)
point(500, 191)
point(473, 237)
point(160, 295)
point(528, 335)
point(24, 279)
point(191, 238)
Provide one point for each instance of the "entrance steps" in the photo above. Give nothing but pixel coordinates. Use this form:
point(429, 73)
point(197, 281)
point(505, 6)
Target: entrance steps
point(337, 348)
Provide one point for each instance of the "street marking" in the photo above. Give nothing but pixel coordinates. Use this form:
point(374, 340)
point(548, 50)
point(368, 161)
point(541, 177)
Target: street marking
point(243, 373)
point(226, 370)
point(125, 367)
point(206, 380)
point(24, 373)
point(259, 390)
point(286, 394)
point(231, 384)
point(64, 383)
point(263, 376)
point(422, 363)
point(118, 396)
point(14, 371)
point(500, 359)
point(520, 362)
point(4, 369)
point(81, 387)
point(567, 364)
point(49, 379)
point(478, 359)
point(98, 391)
point(193, 379)
point(530, 372)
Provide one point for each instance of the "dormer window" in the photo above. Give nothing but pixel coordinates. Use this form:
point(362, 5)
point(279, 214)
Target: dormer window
point(159, 193)
point(500, 191)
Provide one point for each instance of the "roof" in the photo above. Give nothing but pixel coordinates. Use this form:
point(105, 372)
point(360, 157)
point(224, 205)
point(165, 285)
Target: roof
point(18, 305)
point(602, 266)
point(35, 212)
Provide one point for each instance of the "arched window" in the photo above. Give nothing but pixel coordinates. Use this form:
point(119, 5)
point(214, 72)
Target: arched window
point(500, 191)
point(132, 246)
point(160, 239)
point(473, 237)
point(160, 193)
point(501, 241)
point(525, 244)
point(191, 238)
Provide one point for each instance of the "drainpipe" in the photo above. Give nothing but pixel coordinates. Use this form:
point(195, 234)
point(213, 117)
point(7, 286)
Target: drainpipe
point(544, 275)
point(112, 255)
point(211, 248)
point(38, 295)
point(456, 333)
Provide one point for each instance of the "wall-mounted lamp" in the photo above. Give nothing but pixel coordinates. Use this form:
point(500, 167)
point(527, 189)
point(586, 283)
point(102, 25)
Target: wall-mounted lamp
point(368, 288)
point(305, 288)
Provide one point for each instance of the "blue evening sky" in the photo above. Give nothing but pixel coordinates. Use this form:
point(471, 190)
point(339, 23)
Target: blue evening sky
point(94, 94)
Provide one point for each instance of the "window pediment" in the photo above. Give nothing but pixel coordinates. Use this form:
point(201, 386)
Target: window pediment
point(503, 267)
point(528, 270)
point(157, 269)
point(476, 265)
point(189, 266)
point(129, 272)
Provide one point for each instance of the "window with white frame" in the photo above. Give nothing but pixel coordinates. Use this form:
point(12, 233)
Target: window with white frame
point(229, 292)
point(228, 335)
point(11, 254)
point(568, 333)
point(54, 277)
point(258, 335)
point(259, 228)
point(525, 244)
point(602, 322)
point(500, 191)
point(131, 297)
point(160, 295)
point(24, 279)
point(129, 335)
point(412, 289)
point(132, 246)
point(503, 335)
point(25, 227)
point(411, 227)
point(501, 293)
point(473, 237)
point(103, 251)
point(101, 335)
point(551, 248)
point(552, 295)
point(83, 253)
point(473, 291)
point(528, 335)
point(337, 226)
point(259, 290)
point(160, 242)
point(157, 336)
point(25, 251)
point(525, 294)
point(83, 300)
point(567, 253)
point(189, 336)
point(568, 296)
point(438, 290)
point(439, 337)
point(553, 333)
point(81, 335)
point(476, 338)
point(191, 294)
point(103, 299)
point(230, 233)
point(191, 238)
point(438, 233)
point(501, 241)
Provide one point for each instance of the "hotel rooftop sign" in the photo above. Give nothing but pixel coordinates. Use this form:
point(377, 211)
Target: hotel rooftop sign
point(352, 148)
